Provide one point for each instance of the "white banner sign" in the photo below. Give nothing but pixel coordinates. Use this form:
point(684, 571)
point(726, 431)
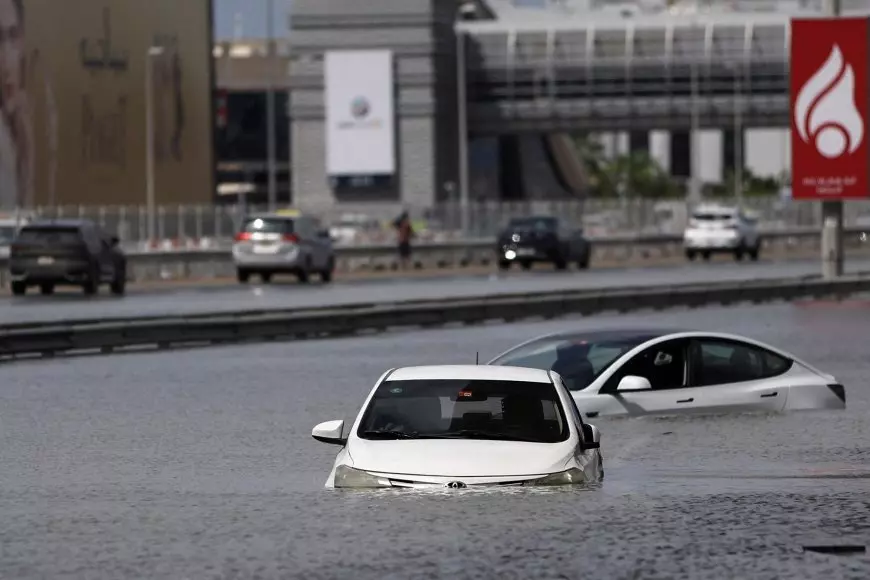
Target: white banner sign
point(360, 133)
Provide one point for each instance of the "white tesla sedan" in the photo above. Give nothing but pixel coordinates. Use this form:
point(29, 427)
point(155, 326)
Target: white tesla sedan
point(463, 426)
point(666, 372)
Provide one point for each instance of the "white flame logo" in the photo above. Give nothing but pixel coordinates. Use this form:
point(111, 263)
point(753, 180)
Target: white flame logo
point(825, 111)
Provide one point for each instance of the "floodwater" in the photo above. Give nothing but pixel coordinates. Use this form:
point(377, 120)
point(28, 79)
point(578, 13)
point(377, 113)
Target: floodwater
point(199, 464)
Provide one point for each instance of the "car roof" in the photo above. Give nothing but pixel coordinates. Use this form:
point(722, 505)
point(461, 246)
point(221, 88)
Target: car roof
point(534, 217)
point(59, 223)
point(641, 334)
point(715, 208)
point(471, 372)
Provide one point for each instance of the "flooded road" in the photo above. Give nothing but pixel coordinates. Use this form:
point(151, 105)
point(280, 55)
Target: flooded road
point(199, 464)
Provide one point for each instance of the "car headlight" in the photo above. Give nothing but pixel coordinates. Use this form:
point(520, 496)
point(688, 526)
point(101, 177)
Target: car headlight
point(567, 477)
point(349, 477)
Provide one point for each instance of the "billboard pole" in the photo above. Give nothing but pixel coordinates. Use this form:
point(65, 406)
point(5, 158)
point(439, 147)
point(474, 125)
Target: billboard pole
point(832, 218)
point(270, 104)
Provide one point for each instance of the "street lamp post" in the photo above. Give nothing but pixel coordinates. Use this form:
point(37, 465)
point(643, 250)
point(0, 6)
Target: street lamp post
point(153, 51)
point(694, 133)
point(738, 137)
point(270, 105)
point(462, 105)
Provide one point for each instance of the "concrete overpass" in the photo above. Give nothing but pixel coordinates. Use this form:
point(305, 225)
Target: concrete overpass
point(673, 74)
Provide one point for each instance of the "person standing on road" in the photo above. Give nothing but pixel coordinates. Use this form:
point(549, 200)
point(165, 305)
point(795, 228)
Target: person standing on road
point(405, 231)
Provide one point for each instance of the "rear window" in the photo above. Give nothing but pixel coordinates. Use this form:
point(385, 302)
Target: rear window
point(714, 217)
point(536, 224)
point(268, 226)
point(49, 235)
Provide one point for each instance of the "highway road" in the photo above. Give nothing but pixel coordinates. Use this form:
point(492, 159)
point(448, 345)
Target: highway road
point(188, 300)
point(201, 465)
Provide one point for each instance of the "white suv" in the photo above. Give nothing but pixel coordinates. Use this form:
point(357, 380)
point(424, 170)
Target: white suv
point(721, 229)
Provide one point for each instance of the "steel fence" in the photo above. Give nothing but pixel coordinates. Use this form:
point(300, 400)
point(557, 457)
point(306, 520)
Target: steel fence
point(214, 226)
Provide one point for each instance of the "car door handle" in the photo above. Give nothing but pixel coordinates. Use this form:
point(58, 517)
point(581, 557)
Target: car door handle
point(689, 400)
point(765, 396)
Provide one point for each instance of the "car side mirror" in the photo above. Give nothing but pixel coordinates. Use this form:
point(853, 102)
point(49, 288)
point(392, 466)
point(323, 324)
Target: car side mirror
point(330, 432)
point(324, 234)
point(634, 383)
point(591, 437)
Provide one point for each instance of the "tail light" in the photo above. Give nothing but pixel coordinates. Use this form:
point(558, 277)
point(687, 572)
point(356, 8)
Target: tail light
point(243, 237)
point(291, 238)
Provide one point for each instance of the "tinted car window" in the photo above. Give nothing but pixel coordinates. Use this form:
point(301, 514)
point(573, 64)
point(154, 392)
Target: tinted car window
point(663, 365)
point(717, 362)
point(465, 409)
point(49, 236)
point(268, 226)
point(544, 224)
point(7, 234)
point(578, 361)
point(712, 217)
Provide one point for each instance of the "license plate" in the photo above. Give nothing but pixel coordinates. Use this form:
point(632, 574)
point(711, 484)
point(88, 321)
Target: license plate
point(45, 260)
point(264, 249)
point(525, 252)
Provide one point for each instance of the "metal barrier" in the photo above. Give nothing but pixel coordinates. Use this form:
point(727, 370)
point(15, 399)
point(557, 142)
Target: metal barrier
point(220, 328)
point(610, 250)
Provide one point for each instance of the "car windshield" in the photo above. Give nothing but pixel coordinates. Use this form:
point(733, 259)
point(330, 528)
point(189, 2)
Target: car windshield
point(268, 226)
point(540, 224)
point(578, 361)
point(49, 235)
point(465, 409)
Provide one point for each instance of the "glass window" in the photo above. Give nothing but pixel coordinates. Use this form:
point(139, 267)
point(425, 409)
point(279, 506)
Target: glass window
point(540, 224)
point(719, 362)
point(577, 360)
point(7, 234)
point(713, 217)
point(268, 226)
point(49, 235)
point(663, 365)
point(465, 409)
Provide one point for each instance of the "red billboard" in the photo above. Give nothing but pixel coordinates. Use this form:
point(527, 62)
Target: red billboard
point(829, 106)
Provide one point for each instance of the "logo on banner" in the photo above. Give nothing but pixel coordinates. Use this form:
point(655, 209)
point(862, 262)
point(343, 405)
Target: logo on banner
point(825, 112)
point(359, 108)
point(360, 116)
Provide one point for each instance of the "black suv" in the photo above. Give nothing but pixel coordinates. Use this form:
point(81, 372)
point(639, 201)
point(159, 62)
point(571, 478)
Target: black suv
point(541, 239)
point(66, 252)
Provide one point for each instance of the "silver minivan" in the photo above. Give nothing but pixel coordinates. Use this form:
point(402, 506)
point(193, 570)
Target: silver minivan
point(276, 243)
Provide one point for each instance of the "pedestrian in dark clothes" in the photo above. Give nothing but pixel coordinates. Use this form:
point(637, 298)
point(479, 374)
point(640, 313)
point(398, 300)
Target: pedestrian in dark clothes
point(405, 232)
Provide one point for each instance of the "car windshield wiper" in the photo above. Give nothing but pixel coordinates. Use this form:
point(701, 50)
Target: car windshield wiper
point(478, 434)
point(391, 434)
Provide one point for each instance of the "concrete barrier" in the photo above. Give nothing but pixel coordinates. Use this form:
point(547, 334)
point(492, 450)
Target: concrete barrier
point(35, 339)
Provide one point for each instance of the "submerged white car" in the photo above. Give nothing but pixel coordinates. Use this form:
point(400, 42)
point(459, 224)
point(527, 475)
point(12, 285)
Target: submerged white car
point(463, 426)
point(666, 372)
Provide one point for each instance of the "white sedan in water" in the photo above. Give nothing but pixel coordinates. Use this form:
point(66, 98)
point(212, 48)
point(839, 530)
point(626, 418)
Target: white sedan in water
point(464, 426)
point(666, 372)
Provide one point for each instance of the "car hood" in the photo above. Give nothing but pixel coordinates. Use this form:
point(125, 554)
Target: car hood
point(460, 457)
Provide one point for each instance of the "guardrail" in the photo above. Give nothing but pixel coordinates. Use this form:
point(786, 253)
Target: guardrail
point(623, 249)
point(106, 336)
